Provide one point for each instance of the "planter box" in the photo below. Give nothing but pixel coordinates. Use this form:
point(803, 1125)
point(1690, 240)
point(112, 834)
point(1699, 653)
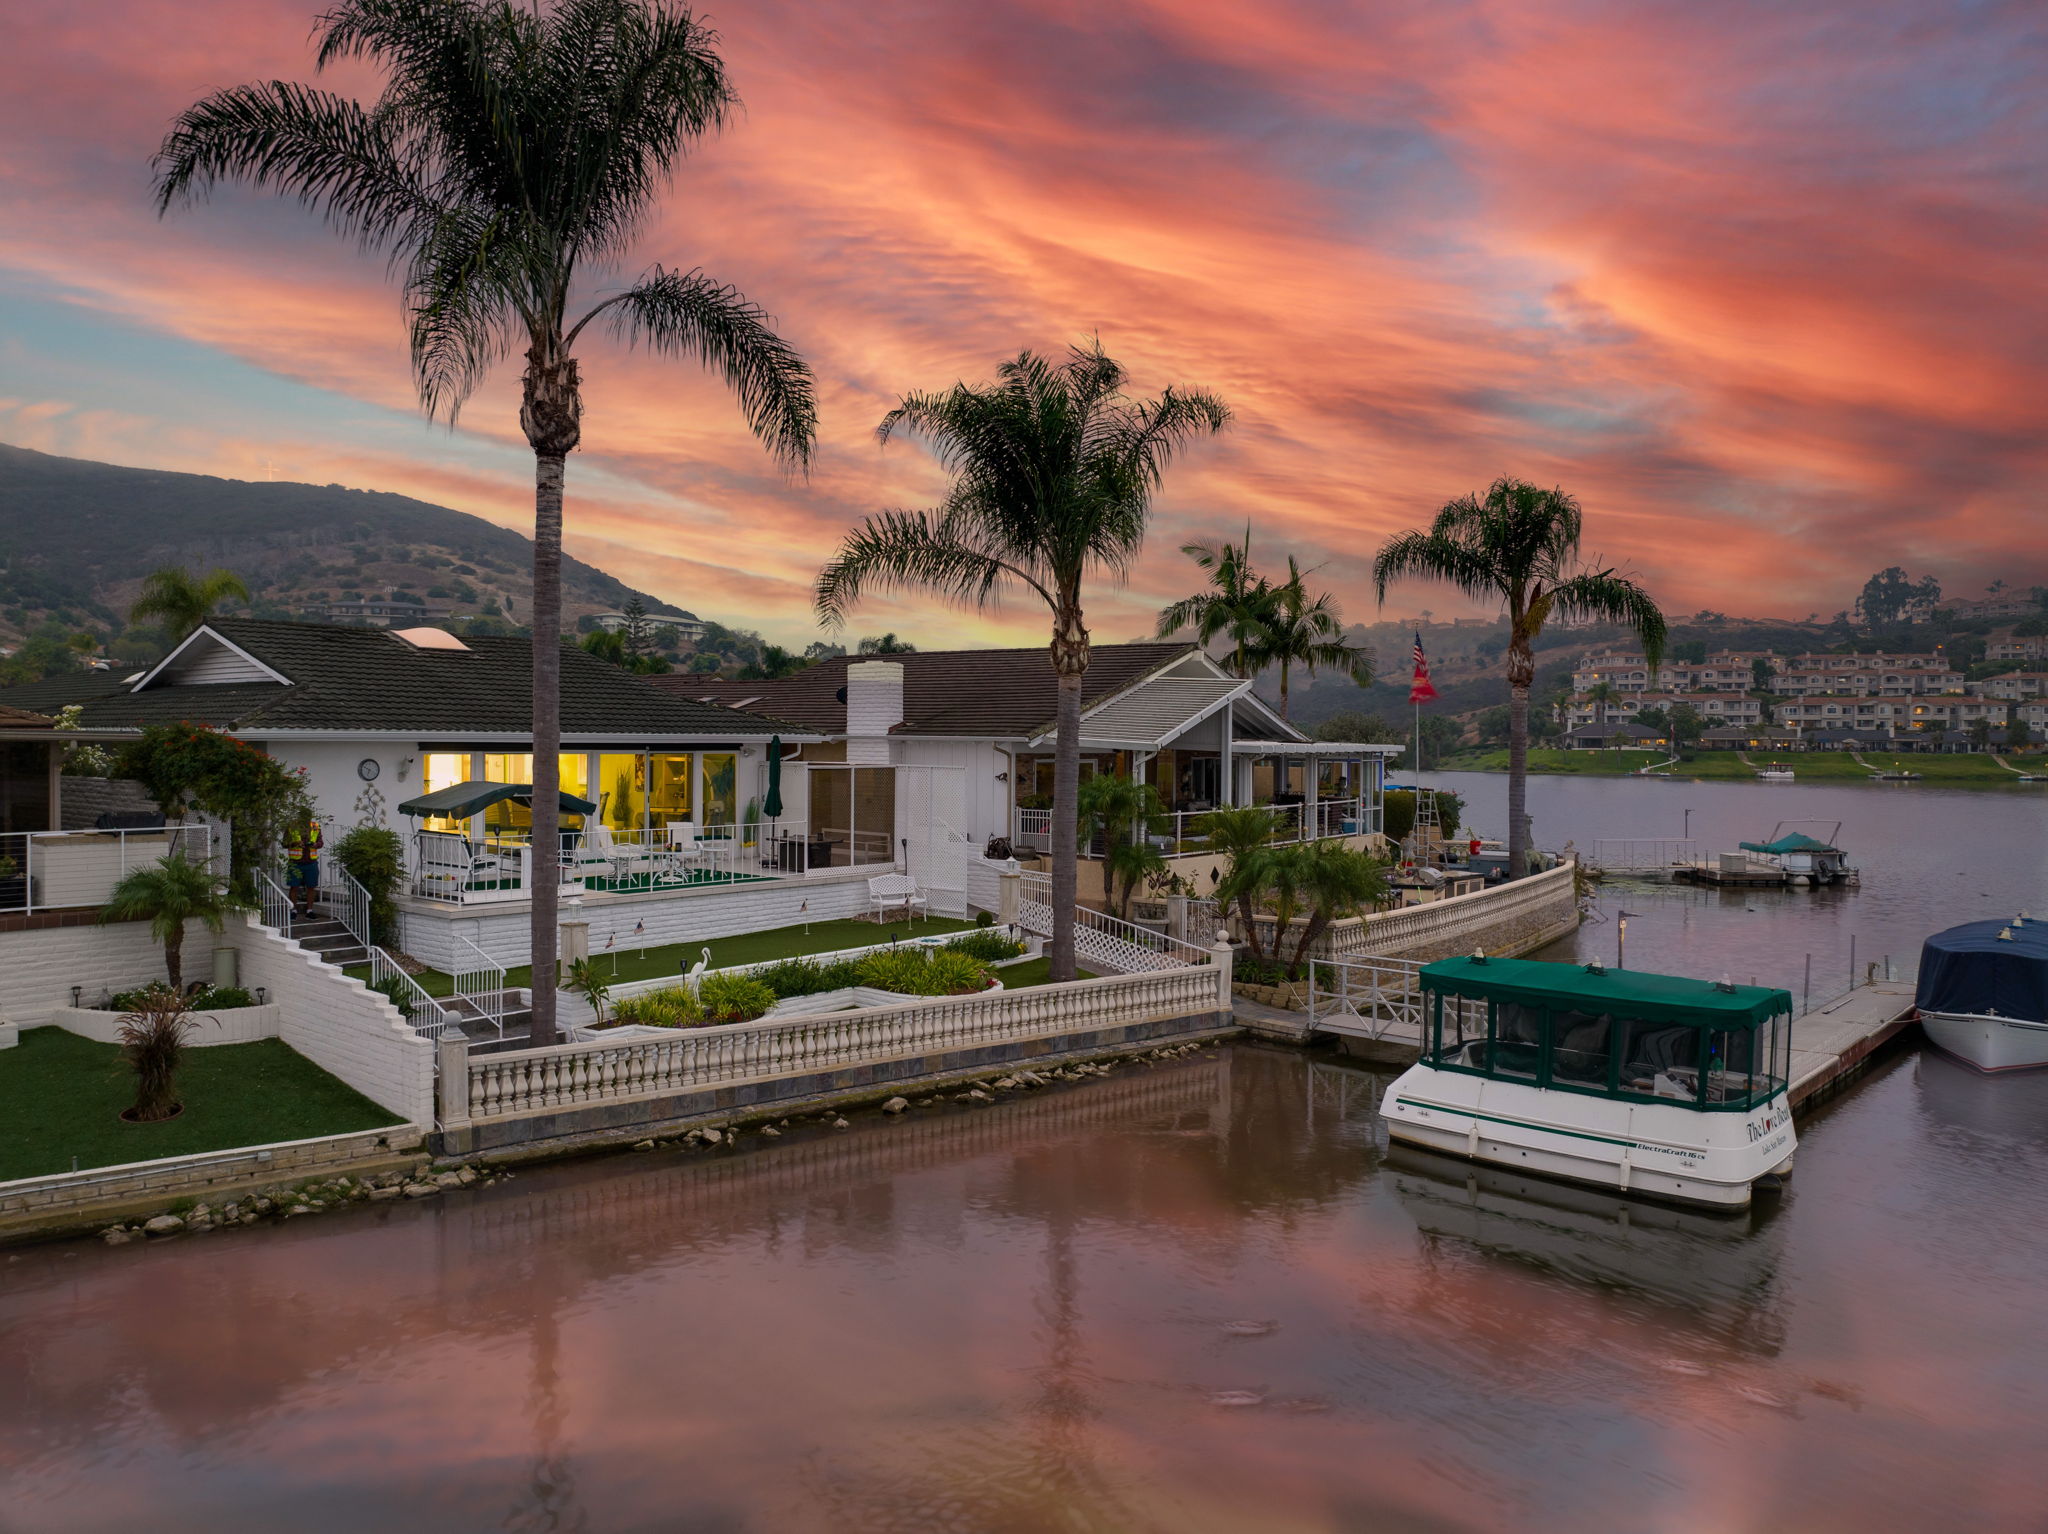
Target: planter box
point(235, 1025)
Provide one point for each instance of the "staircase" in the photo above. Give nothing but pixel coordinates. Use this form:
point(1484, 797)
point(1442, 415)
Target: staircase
point(326, 936)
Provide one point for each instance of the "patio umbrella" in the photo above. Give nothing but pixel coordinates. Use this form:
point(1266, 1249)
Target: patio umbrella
point(772, 805)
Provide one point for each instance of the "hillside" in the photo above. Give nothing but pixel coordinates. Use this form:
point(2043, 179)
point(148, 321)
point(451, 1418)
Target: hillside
point(76, 539)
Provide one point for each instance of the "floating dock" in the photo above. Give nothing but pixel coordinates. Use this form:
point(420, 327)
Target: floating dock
point(1726, 872)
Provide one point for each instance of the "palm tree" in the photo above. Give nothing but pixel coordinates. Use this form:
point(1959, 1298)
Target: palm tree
point(1126, 815)
point(1519, 544)
point(1295, 629)
point(182, 601)
point(884, 644)
point(1053, 475)
point(512, 144)
point(167, 894)
point(1234, 603)
point(1240, 835)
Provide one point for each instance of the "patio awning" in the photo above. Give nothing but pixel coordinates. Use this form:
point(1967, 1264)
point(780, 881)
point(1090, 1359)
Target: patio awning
point(459, 801)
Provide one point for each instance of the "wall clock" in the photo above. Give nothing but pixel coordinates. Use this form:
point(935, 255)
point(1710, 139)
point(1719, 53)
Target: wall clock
point(367, 769)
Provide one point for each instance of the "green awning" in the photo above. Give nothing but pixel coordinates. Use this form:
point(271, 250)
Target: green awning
point(1623, 992)
point(1796, 841)
point(459, 801)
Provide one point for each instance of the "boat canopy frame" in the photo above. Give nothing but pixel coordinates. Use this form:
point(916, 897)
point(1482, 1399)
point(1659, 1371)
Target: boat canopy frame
point(1629, 1035)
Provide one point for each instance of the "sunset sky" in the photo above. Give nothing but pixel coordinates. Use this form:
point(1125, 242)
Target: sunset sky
point(1763, 283)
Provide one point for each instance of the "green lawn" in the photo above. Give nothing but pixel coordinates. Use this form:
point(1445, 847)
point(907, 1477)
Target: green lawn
point(1728, 766)
point(747, 948)
point(61, 1097)
point(1021, 977)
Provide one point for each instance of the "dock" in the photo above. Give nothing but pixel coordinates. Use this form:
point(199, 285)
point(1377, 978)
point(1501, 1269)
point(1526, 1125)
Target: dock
point(1830, 1044)
point(1724, 873)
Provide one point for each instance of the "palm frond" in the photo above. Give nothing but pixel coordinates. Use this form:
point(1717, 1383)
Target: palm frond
point(916, 550)
point(1614, 598)
point(688, 314)
point(1432, 555)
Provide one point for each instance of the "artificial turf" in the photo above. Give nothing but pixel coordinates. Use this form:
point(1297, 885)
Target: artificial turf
point(1022, 976)
point(61, 1098)
point(632, 963)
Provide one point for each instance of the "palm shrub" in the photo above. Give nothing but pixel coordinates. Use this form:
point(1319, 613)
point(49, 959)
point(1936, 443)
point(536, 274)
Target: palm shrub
point(1330, 882)
point(1053, 472)
point(590, 982)
point(1241, 835)
point(729, 998)
point(374, 857)
point(167, 894)
point(949, 972)
point(1518, 545)
point(153, 1037)
point(670, 1006)
point(180, 601)
point(513, 146)
point(1126, 815)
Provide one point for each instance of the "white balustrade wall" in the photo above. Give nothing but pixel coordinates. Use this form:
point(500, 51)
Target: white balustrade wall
point(511, 1085)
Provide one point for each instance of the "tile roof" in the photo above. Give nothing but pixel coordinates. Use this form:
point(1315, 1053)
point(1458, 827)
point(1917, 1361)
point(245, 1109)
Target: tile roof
point(986, 694)
point(371, 680)
point(23, 719)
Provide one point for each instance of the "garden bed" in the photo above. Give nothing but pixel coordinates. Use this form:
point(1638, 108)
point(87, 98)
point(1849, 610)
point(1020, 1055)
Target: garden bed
point(61, 1098)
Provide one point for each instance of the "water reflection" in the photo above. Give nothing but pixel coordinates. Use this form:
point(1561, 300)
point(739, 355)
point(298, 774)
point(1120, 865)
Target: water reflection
point(1191, 1297)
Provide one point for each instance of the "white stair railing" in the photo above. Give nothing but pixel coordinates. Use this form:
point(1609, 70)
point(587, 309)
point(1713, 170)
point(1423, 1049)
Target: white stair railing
point(427, 1014)
point(479, 980)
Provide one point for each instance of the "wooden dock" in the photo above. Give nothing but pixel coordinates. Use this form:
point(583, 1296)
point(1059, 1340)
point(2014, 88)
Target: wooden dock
point(1830, 1044)
point(1750, 875)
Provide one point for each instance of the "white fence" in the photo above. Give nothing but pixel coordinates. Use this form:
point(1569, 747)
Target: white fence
point(1185, 831)
point(1467, 919)
point(512, 1085)
point(1374, 997)
point(47, 870)
point(1637, 855)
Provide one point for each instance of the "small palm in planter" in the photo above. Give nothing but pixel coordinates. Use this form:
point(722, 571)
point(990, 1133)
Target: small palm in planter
point(153, 1042)
point(167, 894)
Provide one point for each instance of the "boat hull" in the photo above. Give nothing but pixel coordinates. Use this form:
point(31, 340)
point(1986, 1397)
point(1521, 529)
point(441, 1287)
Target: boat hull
point(1988, 1043)
point(1642, 1149)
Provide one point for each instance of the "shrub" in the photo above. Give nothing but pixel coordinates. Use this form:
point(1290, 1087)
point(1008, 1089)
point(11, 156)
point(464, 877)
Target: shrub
point(989, 946)
point(153, 1039)
point(794, 977)
point(672, 1006)
point(894, 969)
point(839, 975)
point(211, 998)
point(375, 859)
point(591, 983)
point(730, 998)
point(394, 990)
point(921, 972)
point(984, 918)
point(949, 972)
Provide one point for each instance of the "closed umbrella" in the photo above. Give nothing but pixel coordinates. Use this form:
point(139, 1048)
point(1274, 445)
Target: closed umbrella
point(772, 805)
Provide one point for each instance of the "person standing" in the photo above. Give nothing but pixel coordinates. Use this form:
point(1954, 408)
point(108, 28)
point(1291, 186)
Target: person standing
point(302, 844)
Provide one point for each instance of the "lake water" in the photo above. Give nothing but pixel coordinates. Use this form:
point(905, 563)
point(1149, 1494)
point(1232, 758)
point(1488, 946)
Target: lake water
point(1197, 1296)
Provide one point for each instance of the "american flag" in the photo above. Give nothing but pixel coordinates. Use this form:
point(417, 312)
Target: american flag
point(1420, 691)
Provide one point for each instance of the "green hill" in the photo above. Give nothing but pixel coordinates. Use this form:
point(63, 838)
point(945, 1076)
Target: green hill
point(76, 539)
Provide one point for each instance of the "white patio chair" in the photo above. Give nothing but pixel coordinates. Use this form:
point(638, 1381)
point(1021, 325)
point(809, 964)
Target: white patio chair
point(593, 853)
point(889, 891)
point(682, 850)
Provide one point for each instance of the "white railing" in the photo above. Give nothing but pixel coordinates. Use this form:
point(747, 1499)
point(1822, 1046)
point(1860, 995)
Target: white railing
point(1101, 941)
point(48, 870)
point(1458, 917)
point(427, 1014)
point(275, 903)
point(452, 867)
point(531, 1081)
point(1624, 855)
point(1176, 832)
point(349, 903)
point(479, 981)
point(1365, 996)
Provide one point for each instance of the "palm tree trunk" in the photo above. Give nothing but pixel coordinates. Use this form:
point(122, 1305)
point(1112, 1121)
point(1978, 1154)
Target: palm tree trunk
point(1283, 690)
point(1070, 661)
point(552, 415)
point(174, 958)
point(1521, 673)
point(544, 867)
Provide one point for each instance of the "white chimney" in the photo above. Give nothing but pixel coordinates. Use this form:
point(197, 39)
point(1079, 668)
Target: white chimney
point(874, 705)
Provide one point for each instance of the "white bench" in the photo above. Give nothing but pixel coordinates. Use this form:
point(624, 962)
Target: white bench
point(888, 891)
